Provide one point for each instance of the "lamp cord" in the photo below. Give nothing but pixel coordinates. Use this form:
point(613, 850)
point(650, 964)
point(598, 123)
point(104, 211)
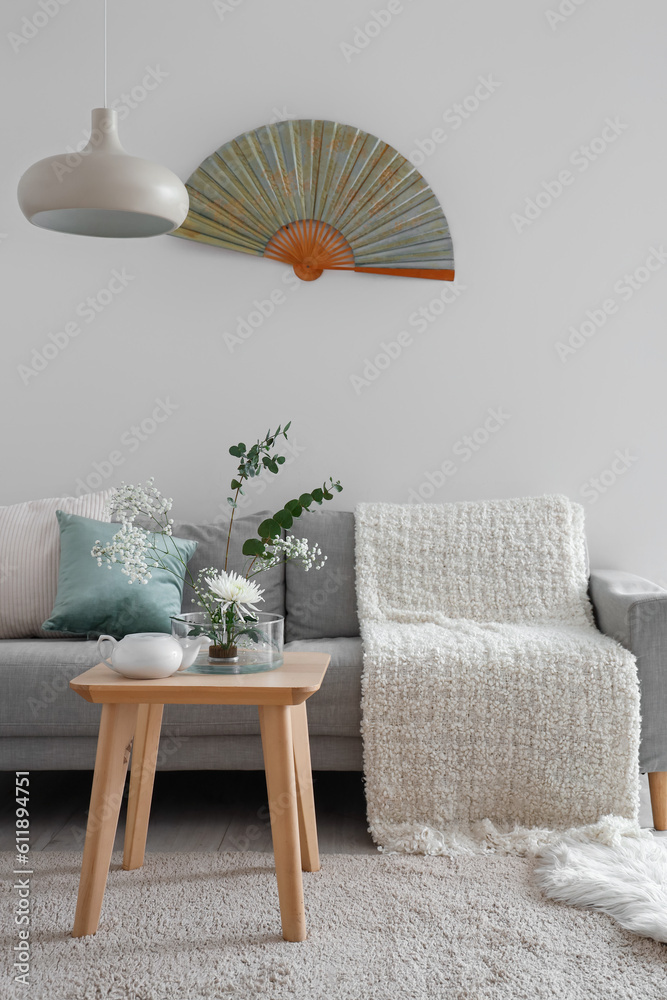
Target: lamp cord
point(105, 53)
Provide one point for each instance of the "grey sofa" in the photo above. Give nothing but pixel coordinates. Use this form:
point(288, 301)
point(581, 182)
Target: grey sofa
point(45, 726)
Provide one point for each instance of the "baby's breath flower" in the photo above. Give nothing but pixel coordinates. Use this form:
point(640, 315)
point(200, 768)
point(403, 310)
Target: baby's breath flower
point(127, 502)
point(292, 549)
point(131, 547)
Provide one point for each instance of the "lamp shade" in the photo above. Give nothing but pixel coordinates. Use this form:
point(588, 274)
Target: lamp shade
point(102, 190)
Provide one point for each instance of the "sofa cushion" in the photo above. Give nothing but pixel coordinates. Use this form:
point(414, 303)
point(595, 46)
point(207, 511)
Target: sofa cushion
point(29, 557)
point(323, 602)
point(96, 599)
point(35, 676)
point(34, 679)
point(211, 543)
point(335, 710)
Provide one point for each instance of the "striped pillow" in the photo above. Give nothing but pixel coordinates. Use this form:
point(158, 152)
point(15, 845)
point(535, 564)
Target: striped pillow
point(29, 558)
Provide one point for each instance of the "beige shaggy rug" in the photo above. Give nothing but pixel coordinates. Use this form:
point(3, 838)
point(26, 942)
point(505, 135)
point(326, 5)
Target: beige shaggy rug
point(206, 927)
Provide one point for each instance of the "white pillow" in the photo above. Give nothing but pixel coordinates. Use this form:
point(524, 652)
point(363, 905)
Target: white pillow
point(29, 558)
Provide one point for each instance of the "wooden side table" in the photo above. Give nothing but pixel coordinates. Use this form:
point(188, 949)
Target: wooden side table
point(131, 719)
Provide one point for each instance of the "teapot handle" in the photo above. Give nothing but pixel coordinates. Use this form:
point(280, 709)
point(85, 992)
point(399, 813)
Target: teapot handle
point(100, 651)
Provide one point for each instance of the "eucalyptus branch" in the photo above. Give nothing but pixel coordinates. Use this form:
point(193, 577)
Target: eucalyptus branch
point(231, 522)
point(251, 463)
point(220, 594)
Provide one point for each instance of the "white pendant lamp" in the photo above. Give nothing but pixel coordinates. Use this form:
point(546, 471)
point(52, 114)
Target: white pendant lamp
point(102, 190)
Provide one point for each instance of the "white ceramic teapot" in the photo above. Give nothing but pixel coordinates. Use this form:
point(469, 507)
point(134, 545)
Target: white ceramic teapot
point(142, 655)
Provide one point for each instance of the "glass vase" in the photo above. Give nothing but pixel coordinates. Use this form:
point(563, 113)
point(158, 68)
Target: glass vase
point(256, 646)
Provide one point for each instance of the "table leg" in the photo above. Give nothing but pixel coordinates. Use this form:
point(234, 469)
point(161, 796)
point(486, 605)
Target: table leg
point(113, 753)
point(142, 775)
point(310, 856)
point(276, 726)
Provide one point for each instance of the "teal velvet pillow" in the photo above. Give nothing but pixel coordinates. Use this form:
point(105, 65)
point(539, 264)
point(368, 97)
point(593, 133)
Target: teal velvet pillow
point(94, 600)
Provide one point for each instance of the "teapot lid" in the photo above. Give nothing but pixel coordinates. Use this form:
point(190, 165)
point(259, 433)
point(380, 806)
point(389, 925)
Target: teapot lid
point(148, 635)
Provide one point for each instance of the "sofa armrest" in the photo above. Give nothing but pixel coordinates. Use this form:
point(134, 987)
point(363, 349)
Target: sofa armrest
point(634, 612)
point(619, 599)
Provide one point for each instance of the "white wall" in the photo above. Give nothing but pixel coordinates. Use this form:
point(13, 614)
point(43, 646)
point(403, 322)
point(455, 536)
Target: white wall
point(494, 347)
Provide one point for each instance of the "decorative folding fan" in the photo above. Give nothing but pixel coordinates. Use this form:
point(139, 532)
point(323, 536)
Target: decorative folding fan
point(319, 195)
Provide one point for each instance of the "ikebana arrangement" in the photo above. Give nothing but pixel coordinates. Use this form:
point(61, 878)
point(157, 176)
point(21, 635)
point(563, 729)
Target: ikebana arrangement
point(228, 599)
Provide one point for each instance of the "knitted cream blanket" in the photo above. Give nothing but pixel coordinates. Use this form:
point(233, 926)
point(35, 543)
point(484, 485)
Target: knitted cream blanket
point(494, 712)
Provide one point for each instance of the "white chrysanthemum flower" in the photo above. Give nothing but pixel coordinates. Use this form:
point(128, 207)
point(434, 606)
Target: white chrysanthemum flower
point(232, 589)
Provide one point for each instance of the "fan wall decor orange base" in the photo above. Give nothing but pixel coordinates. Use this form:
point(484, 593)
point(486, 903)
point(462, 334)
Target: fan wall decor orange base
point(320, 196)
point(312, 247)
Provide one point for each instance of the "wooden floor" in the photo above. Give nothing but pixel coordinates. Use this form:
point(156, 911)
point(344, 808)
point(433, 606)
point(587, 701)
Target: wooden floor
point(199, 811)
point(191, 811)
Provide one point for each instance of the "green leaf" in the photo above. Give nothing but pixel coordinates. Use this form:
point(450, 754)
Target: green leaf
point(238, 451)
point(284, 518)
point(236, 484)
point(268, 528)
point(318, 496)
point(327, 495)
point(305, 499)
point(294, 507)
point(287, 427)
point(253, 547)
point(231, 502)
point(280, 459)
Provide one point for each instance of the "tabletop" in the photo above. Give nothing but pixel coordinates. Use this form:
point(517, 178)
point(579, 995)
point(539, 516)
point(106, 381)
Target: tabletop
point(300, 675)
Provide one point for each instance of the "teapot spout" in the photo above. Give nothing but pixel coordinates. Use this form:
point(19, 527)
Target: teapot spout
point(190, 646)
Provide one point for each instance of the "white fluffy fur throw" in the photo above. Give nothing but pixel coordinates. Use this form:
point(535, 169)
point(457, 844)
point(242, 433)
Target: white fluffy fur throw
point(494, 712)
point(627, 880)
